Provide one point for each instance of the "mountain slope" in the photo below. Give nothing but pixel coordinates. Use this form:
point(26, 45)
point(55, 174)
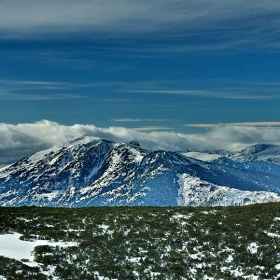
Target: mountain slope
point(90, 172)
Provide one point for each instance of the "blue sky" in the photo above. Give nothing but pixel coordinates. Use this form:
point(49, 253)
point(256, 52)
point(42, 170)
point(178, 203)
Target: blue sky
point(170, 66)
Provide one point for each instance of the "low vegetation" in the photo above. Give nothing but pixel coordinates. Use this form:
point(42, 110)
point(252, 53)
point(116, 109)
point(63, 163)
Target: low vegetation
point(147, 242)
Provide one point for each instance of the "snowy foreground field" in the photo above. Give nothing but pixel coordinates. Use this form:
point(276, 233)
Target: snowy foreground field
point(140, 243)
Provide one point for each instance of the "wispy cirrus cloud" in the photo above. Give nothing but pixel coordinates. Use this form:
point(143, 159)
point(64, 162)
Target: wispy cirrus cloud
point(215, 23)
point(221, 89)
point(35, 85)
point(24, 96)
point(12, 89)
point(254, 124)
point(208, 93)
point(32, 89)
point(17, 141)
point(151, 128)
point(51, 90)
point(141, 120)
point(36, 97)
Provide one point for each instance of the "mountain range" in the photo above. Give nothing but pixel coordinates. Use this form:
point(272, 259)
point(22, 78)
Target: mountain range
point(87, 171)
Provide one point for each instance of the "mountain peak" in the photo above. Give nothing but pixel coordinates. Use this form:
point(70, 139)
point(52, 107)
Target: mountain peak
point(89, 171)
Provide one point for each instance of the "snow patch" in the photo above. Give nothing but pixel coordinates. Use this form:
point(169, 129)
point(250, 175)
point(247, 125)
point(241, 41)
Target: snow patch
point(253, 248)
point(12, 247)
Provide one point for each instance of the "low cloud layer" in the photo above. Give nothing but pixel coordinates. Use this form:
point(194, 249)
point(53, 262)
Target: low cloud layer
point(17, 141)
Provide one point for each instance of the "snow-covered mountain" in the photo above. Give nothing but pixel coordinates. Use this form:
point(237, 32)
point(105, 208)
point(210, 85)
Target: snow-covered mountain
point(91, 172)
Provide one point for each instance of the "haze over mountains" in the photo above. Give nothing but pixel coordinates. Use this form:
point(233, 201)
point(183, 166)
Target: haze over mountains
point(86, 171)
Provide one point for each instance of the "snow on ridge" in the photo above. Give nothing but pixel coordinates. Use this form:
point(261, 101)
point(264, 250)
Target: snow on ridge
point(259, 152)
point(208, 157)
point(196, 192)
point(79, 141)
point(138, 156)
point(52, 155)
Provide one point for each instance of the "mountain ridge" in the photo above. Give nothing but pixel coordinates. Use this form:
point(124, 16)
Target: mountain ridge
point(87, 171)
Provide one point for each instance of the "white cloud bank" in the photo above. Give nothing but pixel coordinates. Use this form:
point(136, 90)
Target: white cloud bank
point(17, 141)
